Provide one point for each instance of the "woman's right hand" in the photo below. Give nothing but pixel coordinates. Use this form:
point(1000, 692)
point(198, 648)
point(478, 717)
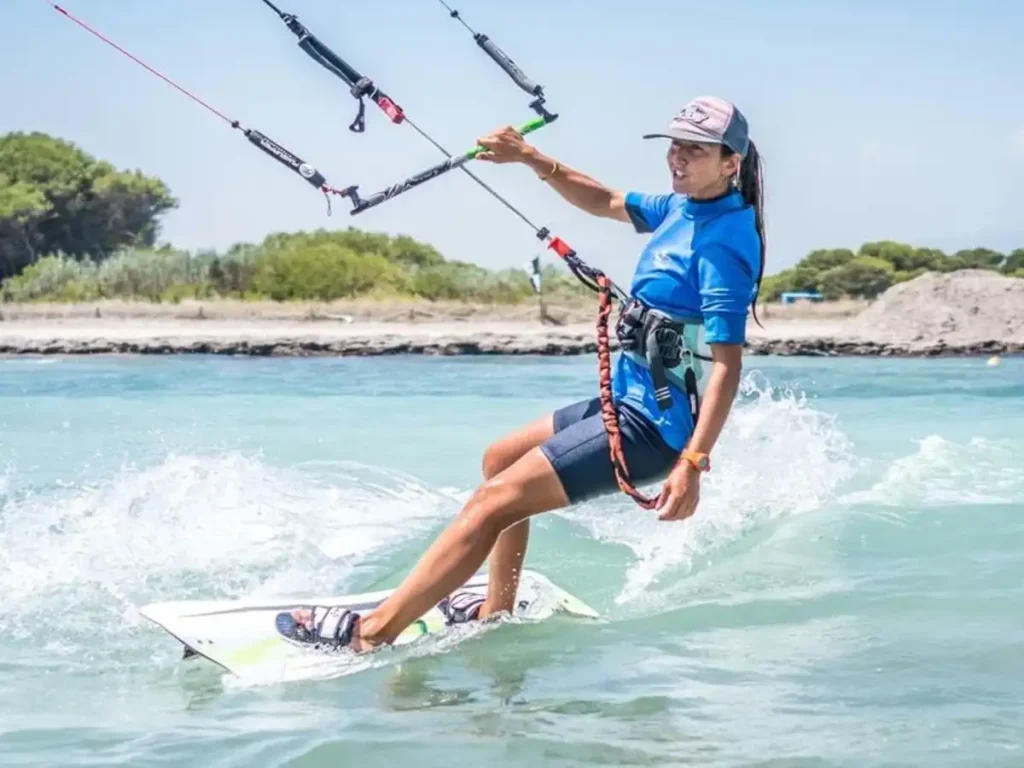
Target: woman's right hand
point(505, 146)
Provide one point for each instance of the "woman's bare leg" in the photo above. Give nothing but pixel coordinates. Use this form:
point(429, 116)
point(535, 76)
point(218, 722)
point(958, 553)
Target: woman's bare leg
point(526, 488)
point(506, 561)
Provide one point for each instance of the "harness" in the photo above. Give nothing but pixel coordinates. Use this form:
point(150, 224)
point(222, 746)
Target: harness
point(669, 347)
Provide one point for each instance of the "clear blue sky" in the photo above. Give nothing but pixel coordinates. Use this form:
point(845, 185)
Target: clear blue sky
point(877, 120)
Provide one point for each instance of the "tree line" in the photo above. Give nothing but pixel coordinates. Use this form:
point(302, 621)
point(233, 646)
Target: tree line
point(74, 228)
point(839, 272)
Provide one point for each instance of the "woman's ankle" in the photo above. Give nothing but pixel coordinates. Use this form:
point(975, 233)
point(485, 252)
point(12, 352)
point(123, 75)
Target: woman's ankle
point(491, 607)
point(370, 632)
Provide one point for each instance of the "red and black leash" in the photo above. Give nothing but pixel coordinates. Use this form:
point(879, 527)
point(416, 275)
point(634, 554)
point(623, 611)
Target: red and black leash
point(607, 293)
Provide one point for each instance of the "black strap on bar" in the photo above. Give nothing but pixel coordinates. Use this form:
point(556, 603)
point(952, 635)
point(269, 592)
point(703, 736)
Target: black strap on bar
point(510, 68)
point(359, 86)
point(292, 161)
point(286, 158)
point(504, 61)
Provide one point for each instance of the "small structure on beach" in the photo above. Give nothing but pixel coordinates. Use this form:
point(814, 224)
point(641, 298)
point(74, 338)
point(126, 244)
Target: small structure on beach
point(791, 297)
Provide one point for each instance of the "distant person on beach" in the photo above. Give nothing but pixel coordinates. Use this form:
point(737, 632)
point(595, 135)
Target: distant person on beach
point(683, 333)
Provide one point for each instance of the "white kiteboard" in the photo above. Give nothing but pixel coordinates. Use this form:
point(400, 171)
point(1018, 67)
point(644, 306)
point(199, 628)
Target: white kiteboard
point(242, 635)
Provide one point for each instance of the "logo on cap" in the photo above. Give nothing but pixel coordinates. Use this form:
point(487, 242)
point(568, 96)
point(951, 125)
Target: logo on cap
point(693, 113)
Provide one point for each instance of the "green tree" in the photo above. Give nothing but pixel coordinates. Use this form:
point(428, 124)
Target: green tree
point(864, 277)
point(22, 208)
point(58, 199)
point(823, 259)
point(977, 258)
point(905, 258)
point(1014, 262)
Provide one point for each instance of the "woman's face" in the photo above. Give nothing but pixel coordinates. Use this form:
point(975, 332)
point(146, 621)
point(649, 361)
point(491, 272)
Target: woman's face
point(700, 170)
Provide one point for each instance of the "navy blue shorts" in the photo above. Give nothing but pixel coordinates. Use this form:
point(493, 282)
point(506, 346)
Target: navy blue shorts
point(580, 453)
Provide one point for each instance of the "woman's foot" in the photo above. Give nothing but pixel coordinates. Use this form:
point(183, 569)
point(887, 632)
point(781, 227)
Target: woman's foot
point(324, 627)
point(463, 605)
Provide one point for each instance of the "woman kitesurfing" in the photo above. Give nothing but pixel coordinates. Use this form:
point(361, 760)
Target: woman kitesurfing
point(681, 332)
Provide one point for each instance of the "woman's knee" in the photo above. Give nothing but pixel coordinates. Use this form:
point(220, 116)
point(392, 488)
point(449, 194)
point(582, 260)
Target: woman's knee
point(493, 507)
point(529, 486)
point(503, 453)
point(496, 458)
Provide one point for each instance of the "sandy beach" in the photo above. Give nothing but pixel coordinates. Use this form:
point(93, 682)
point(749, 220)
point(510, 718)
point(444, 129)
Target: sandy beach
point(909, 320)
point(235, 328)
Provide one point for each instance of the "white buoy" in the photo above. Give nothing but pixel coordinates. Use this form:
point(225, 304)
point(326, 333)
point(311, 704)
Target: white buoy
point(994, 361)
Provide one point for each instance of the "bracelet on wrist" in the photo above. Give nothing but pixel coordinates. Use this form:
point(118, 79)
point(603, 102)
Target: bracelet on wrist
point(549, 174)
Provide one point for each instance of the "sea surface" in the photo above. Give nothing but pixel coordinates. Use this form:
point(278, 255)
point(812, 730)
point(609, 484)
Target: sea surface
point(850, 592)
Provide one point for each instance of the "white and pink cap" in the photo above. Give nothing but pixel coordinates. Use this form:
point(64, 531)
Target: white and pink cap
point(711, 120)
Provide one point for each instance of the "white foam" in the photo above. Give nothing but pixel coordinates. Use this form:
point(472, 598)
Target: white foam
point(940, 471)
point(80, 559)
point(30, 361)
point(777, 456)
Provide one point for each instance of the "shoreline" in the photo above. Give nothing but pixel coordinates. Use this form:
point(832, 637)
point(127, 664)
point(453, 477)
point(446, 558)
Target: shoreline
point(305, 338)
point(776, 348)
point(364, 328)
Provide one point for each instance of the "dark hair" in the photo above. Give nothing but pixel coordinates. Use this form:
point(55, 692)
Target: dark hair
point(752, 189)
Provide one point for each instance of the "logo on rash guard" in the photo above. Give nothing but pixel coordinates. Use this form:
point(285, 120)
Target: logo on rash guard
point(662, 260)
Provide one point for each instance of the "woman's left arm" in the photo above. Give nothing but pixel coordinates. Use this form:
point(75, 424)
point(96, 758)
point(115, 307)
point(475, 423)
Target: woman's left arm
point(726, 284)
point(681, 492)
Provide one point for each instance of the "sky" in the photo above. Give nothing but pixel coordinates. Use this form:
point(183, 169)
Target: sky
point(896, 120)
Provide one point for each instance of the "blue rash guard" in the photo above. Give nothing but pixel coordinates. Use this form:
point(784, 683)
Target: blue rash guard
point(701, 262)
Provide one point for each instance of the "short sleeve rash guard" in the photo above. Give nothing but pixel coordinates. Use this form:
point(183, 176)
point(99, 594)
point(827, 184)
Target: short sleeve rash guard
point(701, 262)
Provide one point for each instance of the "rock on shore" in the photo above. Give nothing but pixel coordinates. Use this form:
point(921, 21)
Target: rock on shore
point(476, 344)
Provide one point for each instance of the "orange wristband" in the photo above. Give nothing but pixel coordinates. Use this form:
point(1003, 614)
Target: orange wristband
point(699, 461)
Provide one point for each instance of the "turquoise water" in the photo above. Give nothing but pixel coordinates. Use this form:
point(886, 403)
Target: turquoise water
point(849, 592)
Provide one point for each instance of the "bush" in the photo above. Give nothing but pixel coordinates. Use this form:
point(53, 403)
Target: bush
point(51, 278)
point(323, 266)
point(144, 274)
point(324, 272)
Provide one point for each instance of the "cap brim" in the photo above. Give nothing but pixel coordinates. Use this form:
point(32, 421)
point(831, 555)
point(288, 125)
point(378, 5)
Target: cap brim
point(686, 135)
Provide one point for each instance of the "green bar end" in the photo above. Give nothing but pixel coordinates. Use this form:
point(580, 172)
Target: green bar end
point(533, 125)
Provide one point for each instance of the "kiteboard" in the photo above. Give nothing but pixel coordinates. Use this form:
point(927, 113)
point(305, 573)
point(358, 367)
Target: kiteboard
point(242, 636)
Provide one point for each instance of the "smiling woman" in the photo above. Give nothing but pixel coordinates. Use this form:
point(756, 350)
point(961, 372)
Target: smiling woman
point(682, 335)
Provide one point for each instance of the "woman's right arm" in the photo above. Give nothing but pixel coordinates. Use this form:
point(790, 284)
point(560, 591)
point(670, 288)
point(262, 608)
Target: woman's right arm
point(579, 189)
point(586, 193)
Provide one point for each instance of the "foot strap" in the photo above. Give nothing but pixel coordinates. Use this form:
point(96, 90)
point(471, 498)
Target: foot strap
point(332, 626)
point(460, 607)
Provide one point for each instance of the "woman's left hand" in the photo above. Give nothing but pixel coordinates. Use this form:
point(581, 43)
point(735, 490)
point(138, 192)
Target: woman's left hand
point(504, 146)
point(679, 496)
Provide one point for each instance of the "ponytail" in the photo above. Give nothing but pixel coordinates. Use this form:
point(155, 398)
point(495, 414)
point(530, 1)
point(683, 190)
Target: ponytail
point(751, 186)
point(752, 189)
